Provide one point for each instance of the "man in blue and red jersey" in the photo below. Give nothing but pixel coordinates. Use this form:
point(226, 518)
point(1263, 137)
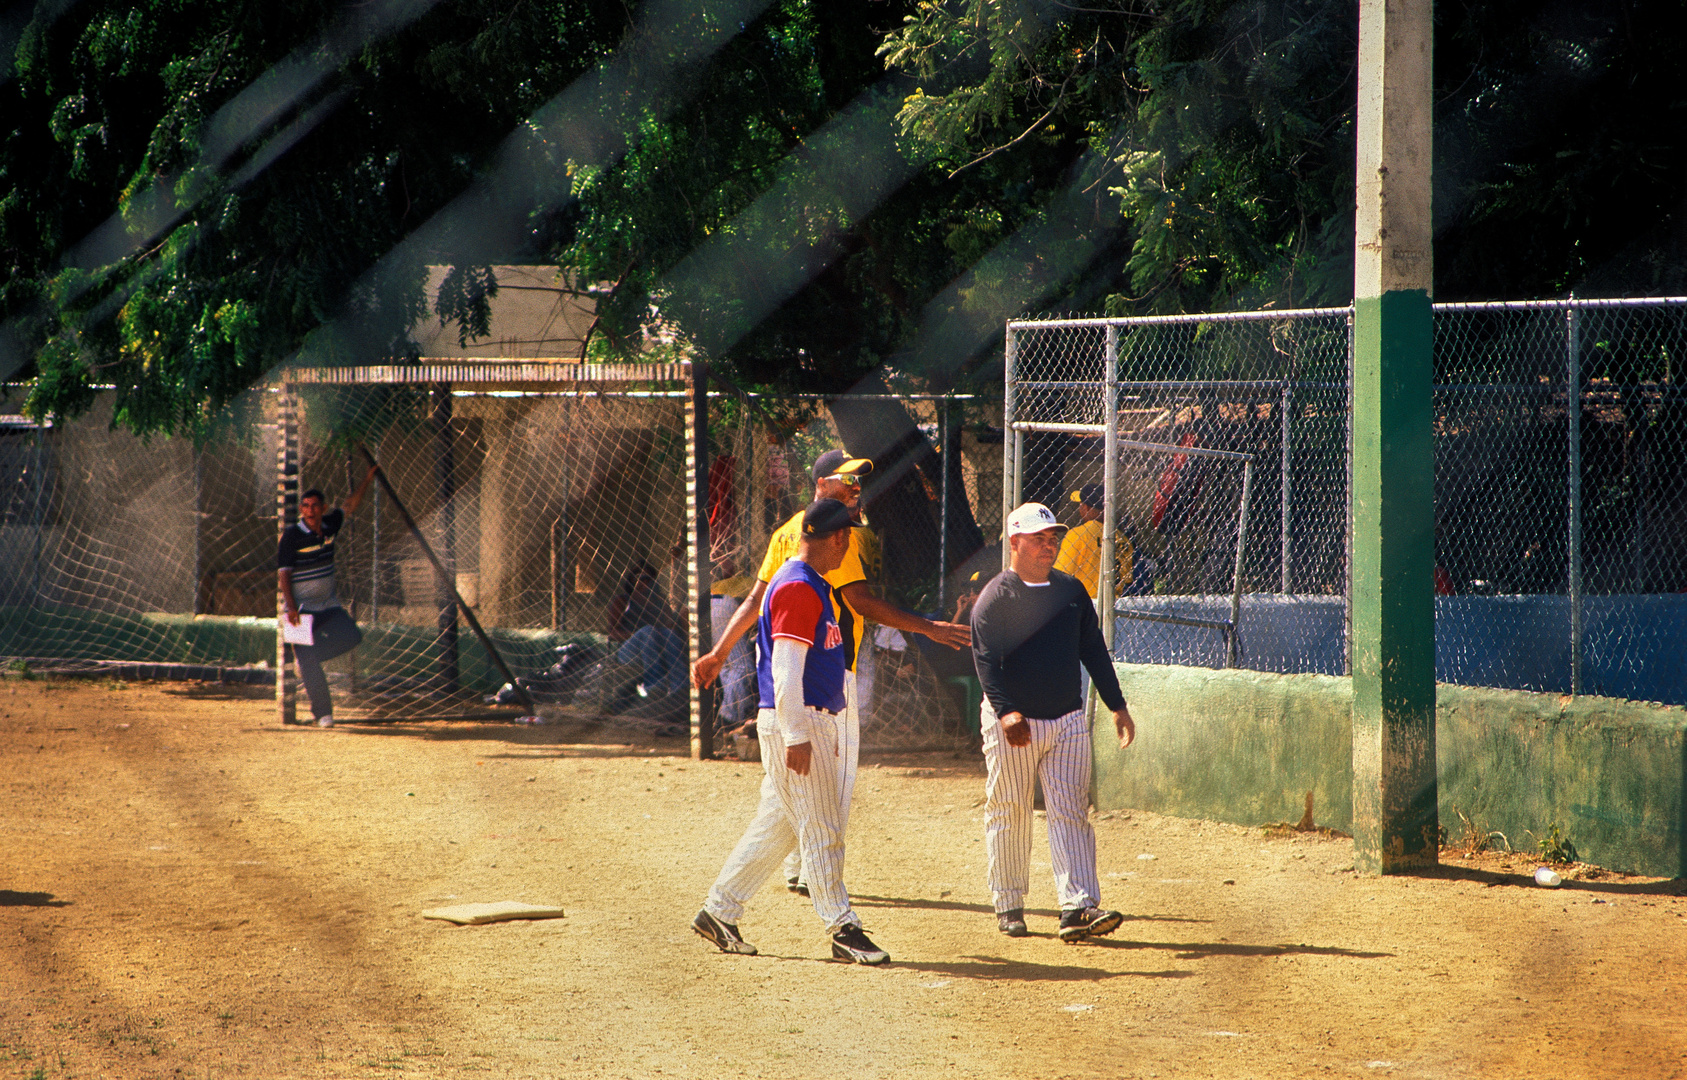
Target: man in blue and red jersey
point(802, 721)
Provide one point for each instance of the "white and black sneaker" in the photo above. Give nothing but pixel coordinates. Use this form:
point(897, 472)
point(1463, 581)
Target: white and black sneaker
point(1081, 923)
point(724, 936)
point(795, 885)
point(852, 944)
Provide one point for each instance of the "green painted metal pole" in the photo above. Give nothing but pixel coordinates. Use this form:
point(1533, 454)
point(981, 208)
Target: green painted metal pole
point(1395, 822)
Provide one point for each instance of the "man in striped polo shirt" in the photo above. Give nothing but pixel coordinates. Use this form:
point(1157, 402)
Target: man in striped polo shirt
point(803, 726)
point(305, 564)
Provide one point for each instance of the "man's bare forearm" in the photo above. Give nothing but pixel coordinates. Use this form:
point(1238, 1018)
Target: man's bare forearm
point(742, 620)
point(873, 609)
point(289, 606)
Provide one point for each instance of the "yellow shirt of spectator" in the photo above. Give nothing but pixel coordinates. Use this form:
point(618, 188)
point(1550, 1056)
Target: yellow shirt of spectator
point(860, 563)
point(1080, 556)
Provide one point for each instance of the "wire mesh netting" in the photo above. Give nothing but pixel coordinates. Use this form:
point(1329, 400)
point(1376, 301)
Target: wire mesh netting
point(556, 519)
point(1561, 515)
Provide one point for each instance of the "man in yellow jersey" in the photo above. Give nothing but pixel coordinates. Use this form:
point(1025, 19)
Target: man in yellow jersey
point(1080, 552)
point(836, 476)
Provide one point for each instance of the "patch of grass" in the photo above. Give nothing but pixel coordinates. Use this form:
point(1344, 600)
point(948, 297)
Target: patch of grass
point(19, 669)
point(1474, 838)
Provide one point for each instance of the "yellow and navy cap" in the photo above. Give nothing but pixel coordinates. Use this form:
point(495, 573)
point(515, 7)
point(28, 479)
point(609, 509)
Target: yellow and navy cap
point(838, 463)
point(1091, 495)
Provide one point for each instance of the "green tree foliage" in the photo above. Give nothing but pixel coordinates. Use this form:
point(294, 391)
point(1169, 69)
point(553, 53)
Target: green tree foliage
point(815, 194)
point(1222, 130)
point(189, 189)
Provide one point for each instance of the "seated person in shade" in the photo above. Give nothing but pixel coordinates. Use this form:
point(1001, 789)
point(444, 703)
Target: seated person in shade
point(639, 602)
point(646, 678)
point(738, 676)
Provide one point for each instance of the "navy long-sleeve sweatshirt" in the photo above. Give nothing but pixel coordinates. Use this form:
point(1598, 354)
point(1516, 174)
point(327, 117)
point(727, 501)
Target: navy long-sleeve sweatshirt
point(1027, 642)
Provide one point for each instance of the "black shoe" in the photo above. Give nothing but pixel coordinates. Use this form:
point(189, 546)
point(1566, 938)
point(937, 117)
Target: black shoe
point(724, 936)
point(852, 944)
point(1012, 923)
point(1081, 923)
point(796, 886)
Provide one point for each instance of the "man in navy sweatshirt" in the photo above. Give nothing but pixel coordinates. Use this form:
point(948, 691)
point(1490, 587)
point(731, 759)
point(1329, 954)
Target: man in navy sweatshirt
point(1031, 627)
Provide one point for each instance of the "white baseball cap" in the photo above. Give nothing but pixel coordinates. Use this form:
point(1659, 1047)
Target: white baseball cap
point(1032, 518)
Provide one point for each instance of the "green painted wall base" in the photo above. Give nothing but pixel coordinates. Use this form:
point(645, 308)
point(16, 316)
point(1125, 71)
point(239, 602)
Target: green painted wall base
point(1246, 746)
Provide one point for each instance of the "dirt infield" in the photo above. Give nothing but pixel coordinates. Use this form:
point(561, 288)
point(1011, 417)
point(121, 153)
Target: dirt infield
point(189, 890)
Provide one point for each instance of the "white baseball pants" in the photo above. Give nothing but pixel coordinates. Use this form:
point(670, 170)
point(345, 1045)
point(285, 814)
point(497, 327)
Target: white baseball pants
point(1059, 753)
point(852, 757)
point(797, 813)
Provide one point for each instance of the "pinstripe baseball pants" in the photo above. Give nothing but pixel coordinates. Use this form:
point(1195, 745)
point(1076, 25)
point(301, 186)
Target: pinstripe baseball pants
point(852, 755)
point(1059, 753)
point(805, 813)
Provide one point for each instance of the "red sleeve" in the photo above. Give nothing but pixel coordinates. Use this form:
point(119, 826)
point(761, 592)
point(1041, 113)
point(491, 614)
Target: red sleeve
point(795, 611)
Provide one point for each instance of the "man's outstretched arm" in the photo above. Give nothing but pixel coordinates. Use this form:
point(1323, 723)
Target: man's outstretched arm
point(861, 599)
point(707, 666)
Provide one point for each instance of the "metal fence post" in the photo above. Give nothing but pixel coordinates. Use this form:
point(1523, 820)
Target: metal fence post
point(703, 701)
point(943, 510)
point(1109, 480)
point(1285, 488)
point(1573, 415)
point(1010, 437)
point(374, 555)
point(1233, 649)
point(446, 658)
point(199, 596)
point(286, 508)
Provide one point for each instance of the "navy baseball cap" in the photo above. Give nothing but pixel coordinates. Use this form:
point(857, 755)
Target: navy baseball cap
point(825, 517)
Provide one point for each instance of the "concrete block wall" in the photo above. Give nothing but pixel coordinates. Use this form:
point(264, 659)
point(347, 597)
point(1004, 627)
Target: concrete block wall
point(1246, 746)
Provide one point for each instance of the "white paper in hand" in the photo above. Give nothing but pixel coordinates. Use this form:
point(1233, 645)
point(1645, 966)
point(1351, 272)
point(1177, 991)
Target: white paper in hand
point(300, 634)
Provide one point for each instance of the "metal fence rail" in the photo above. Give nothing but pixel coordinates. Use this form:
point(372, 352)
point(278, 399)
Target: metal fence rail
point(1561, 485)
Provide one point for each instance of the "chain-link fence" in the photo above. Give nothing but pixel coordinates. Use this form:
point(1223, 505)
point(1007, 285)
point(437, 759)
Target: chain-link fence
point(526, 550)
point(1561, 517)
point(1225, 468)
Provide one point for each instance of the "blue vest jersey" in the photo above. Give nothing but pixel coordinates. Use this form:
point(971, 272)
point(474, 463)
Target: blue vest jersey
point(823, 672)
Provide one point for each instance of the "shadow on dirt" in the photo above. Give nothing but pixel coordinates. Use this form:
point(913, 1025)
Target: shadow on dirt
point(1200, 950)
point(8, 898)
point(1615, 885)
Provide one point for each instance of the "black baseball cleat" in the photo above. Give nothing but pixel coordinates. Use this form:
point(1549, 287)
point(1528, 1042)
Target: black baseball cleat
point(1081, 923)
point(724, 936)
point(1012, 923)
point(852, 944)
point(796, 886)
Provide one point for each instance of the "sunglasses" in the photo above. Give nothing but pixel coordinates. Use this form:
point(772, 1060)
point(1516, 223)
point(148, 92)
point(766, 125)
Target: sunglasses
point(852, 481)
